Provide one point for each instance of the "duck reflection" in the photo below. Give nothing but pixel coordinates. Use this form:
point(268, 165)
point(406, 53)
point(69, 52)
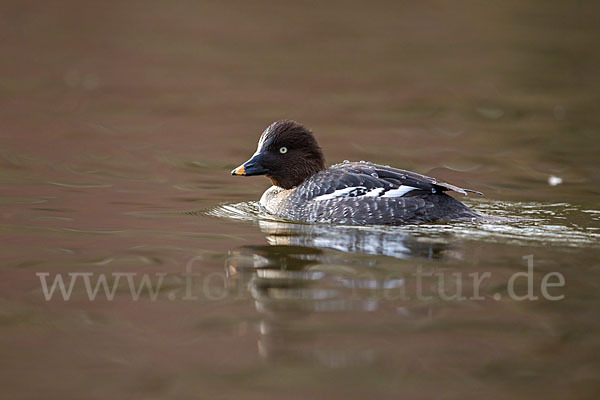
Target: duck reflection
point(286, 279)
point(308, 271)
point(288, 285)
point(375, 240)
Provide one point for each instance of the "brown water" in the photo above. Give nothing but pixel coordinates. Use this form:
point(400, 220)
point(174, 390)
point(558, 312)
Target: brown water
point(120, 123)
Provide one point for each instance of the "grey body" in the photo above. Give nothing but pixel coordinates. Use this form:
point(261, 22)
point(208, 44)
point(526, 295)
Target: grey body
point(362, 193)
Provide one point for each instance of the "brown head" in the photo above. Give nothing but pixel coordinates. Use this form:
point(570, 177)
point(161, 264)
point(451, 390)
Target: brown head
point(287, 153)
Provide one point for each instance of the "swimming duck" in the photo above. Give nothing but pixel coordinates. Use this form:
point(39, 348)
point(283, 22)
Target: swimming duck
point(351, 193)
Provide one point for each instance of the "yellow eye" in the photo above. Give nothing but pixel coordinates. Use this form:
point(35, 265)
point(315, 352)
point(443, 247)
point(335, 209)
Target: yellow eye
point(283, 150)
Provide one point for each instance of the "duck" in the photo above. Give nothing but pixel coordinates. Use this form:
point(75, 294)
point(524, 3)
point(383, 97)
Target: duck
point(305, 190)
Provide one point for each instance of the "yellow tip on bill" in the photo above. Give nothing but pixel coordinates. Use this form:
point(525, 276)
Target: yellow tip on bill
point(239, 171)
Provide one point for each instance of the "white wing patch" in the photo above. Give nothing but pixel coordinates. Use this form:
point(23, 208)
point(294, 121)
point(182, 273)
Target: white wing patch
point(399, 191)
point(375, 192)
point(345, 192)
point(359, 191)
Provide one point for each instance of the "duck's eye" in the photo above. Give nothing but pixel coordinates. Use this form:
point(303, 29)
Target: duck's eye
point(283, 150)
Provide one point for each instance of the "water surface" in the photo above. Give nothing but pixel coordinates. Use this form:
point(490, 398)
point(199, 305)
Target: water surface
point(119, 128)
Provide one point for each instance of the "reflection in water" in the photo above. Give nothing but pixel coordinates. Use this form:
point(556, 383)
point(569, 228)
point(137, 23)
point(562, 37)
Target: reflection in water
point(387, 241)
point(297, 277)
point(288, 284)
point(311, 273)
point(537, 224)
point(309, 270)
point(392, 241)
point(284, 279)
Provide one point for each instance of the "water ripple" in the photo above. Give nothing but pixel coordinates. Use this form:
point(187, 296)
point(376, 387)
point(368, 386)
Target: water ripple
point(536, 224)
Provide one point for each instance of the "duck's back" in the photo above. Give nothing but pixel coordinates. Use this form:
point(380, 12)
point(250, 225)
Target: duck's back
point(360, 193)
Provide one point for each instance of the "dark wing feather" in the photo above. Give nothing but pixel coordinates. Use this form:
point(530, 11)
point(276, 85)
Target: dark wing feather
point(381, 210)
point(371, 176)
point(418, 180)
point(365, 193)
